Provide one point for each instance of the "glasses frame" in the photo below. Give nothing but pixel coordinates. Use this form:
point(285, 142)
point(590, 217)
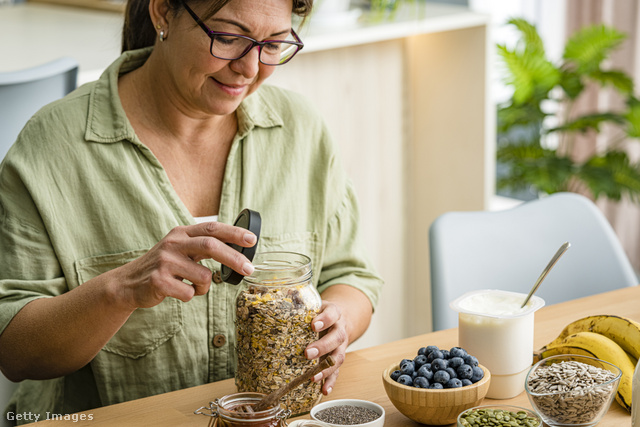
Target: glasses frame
point(212, 35)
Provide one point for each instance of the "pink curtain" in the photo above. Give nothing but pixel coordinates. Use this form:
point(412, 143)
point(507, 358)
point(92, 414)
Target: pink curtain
point(623, 15)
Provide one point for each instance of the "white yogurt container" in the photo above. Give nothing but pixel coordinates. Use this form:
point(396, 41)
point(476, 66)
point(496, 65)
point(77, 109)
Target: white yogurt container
point(493, 328)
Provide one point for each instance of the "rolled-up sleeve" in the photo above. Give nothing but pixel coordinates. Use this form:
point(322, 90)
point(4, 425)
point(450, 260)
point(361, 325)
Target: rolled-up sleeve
point(30, 269)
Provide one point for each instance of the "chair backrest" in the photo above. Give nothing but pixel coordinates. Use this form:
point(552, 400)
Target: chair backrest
point(508, 250)
point(24, 92)
point(6, 390)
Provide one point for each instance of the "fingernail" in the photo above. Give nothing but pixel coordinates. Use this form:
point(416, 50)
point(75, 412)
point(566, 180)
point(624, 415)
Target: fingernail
point(329, 390)
point(318, 377)
point(247, 268)
point(250, 238)
point(312, 353)
point(318, 326)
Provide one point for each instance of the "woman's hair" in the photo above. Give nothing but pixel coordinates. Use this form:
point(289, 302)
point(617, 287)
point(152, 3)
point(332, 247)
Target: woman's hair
point(138, 31)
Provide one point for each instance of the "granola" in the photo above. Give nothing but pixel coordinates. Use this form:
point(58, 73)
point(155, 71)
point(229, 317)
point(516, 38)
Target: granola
point(273, 328)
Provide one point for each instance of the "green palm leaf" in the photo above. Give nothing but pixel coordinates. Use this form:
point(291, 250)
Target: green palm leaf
point(529, 75)
point(590, 46)
point(589, 122)
point(633, 118)
point(618, 79)
point(611, 174)
point(530, 40)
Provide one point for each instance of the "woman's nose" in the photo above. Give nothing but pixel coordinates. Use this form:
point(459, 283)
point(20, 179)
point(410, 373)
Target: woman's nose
point(249, 64)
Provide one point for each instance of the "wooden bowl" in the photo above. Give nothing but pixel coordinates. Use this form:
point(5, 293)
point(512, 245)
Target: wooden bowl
point(434, 407)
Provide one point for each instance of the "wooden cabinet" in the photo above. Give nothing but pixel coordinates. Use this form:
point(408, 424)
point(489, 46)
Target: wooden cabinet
point(407, 102)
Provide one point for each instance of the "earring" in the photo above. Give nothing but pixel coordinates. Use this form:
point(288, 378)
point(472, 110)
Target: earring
point(158, 26)
point(162, 35)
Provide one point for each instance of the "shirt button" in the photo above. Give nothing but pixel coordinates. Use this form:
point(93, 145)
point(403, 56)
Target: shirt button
point(217, 277)
point(219, 340)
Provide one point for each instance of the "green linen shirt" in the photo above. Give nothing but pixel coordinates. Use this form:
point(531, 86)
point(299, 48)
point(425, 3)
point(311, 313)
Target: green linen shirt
point(80, 194)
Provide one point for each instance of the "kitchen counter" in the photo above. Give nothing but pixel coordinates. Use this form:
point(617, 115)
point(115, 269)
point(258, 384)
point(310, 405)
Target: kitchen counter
point(360, 375)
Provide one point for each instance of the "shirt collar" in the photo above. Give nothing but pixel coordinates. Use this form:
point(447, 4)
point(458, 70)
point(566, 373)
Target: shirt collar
point(107, 121)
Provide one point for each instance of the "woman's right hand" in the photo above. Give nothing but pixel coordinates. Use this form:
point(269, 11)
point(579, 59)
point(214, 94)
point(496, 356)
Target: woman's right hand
point(148, 280)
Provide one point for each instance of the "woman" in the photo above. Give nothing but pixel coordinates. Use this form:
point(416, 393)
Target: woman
point(107, 200)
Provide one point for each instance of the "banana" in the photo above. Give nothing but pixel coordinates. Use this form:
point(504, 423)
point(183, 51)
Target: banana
point(601, 347)
point(624, 331)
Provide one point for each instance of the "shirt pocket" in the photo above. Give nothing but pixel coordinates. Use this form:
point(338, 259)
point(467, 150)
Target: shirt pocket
point(147, 328)
point(306, 243)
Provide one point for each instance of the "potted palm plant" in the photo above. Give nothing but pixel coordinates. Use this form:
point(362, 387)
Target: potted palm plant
point(538, 127)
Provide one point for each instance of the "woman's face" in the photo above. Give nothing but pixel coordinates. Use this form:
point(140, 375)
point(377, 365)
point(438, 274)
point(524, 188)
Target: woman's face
point(206, 84)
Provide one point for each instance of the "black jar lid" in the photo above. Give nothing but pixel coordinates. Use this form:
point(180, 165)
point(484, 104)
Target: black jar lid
point(251, 221)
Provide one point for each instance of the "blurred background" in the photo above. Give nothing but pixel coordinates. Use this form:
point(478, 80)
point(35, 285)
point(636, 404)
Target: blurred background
point(437, 106)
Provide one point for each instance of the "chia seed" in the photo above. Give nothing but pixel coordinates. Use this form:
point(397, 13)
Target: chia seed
point(347, 415)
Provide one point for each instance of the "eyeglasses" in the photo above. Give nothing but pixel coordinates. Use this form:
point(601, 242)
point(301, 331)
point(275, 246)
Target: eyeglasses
point(231, 46)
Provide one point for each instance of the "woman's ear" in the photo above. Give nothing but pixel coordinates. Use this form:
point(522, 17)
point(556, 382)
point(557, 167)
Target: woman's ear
point(159, 13)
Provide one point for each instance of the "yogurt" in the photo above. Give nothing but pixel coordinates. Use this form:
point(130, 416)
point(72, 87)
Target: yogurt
point(493, 328)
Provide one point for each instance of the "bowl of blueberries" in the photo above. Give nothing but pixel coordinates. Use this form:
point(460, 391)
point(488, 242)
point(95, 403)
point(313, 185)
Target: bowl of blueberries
point(436, 385)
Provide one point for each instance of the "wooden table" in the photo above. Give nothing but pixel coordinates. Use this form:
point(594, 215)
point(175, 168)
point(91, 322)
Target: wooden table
point(360, 376)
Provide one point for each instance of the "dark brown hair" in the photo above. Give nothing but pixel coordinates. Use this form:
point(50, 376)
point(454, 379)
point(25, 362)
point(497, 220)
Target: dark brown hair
point(138, 31)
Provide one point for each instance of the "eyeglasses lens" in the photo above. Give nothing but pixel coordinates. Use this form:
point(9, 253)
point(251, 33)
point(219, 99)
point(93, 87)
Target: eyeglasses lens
point(234, 47)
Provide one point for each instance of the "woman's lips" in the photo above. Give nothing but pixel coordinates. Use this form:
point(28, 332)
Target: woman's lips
point(231, 89)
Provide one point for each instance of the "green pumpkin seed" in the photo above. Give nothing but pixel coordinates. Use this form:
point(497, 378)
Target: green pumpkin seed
point(497, 417)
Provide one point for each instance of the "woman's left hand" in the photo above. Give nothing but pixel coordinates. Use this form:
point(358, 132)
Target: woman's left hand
point(334, 341)
point(344, 316)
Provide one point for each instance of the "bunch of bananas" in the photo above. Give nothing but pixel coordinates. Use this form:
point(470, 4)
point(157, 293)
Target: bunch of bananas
point(611, 338)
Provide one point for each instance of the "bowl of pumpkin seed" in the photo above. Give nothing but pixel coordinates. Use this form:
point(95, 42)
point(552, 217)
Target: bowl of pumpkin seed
point(499, 415)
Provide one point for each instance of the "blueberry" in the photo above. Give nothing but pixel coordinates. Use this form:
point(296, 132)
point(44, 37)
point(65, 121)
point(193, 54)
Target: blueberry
point(466, 382)
point(422, 351)
point(470, 360)
point(404, 361)
point(457, 352)
point(419, 360)
point(405, 379)
point(453, 383)
point(414, 375)
point(421, 382)
point(436, 385)
point(441, 377)
point(456, 362)
point(478, 374)
point(439, 365)
point(395, 374)
point(464, 372)
point(427, 365)
point(425, 372)
point(436, 354)
point(431, 348)
point(445, 354)
point(407, 367)
point(452, 373)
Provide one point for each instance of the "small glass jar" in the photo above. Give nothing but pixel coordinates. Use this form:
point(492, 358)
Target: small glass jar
point(229, 412)
point(274, 310)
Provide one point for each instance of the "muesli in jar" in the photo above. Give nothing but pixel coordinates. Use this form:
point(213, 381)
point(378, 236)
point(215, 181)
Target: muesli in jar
point(274, 311)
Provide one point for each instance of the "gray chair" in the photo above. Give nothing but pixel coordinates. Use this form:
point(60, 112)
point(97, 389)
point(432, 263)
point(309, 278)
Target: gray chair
point(24, 92)
point(509, 249)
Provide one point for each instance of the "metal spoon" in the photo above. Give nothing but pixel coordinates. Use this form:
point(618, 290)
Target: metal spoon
point(553, 261)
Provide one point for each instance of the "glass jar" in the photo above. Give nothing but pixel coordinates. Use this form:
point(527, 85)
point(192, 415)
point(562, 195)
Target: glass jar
point(229, 412)
point(274, 310)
